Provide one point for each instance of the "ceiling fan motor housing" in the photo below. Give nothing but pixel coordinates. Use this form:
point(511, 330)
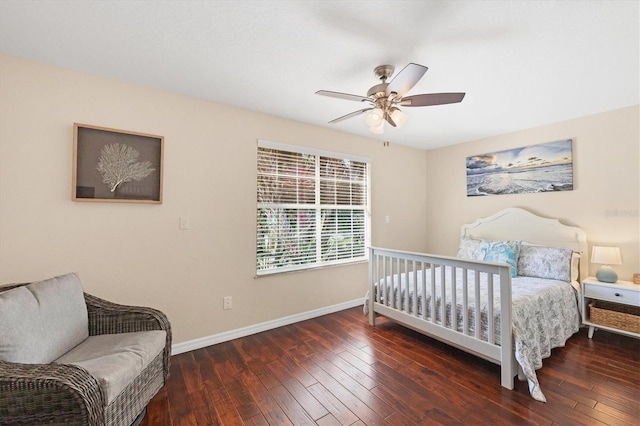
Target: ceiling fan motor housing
point(378, 90)
point(383, 72)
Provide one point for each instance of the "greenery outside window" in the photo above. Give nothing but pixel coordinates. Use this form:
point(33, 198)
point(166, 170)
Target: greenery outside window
point(312, 208)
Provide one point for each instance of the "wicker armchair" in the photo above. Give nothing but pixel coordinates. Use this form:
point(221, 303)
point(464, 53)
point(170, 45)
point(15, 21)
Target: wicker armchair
point(68, 394)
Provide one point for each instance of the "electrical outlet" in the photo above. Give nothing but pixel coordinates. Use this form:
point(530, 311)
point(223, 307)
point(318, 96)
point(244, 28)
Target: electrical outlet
point(226, 303)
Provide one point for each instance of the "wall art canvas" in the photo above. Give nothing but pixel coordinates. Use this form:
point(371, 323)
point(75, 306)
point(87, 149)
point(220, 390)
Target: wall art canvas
point(544, 167)
point(111, 165)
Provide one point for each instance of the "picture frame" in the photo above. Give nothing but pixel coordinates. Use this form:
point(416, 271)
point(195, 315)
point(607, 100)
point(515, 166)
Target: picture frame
point(116, 166)
point(546, 167)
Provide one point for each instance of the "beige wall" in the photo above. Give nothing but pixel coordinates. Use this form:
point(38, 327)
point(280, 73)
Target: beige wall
point(136, 253)
point(605, 201)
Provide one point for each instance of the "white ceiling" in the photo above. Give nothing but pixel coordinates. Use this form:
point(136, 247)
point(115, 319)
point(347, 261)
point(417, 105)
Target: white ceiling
point(521, 63)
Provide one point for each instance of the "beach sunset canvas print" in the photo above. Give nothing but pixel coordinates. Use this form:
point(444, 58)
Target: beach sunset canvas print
point(545, 167)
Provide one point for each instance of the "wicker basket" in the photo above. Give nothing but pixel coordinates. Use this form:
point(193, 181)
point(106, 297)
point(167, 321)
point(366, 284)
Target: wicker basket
point(615, 315)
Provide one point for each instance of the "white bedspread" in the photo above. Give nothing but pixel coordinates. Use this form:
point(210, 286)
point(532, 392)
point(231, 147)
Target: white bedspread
point(545, 313)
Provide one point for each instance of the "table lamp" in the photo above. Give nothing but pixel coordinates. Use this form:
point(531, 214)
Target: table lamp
point(606, 256)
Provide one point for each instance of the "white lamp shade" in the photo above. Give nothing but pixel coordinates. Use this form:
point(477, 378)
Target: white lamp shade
point(606, 255)
point(374, 117)
point(399, 117)
point(378, 130)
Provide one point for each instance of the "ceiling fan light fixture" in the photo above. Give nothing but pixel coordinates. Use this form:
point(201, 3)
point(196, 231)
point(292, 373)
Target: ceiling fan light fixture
point(379, 129)
point(374, 118)
point(399, 117)
point(384, 98)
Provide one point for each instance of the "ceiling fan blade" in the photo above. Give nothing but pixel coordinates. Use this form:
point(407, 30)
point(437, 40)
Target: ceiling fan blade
point(352, 114)
point(343, 96)
point(432, 99)
point(406, 79)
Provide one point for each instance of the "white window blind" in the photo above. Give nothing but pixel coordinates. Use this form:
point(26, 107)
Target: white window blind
point(312, 208)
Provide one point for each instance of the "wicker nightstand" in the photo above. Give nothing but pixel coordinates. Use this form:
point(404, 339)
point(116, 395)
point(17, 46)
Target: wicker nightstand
point(611, 306)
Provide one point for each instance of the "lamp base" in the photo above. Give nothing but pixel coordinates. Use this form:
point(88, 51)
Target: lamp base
point(606, 274)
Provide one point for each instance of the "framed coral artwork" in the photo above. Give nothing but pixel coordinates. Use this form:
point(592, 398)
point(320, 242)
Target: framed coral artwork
point(119, 166)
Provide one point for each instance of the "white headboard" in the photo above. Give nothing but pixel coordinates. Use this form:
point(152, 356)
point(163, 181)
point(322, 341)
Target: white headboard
point(518, 224)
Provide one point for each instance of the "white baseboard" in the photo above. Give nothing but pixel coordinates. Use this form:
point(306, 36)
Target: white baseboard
point(203, 342)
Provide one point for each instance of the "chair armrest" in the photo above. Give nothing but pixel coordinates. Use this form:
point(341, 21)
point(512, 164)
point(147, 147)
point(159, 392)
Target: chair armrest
point(45, 393)
point(111, 318)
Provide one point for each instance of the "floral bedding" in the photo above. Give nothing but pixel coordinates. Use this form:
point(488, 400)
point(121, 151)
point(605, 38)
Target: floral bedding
point(544, 311)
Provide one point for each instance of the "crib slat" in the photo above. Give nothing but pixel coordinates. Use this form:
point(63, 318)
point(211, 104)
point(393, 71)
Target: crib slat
point(414, 290)
point(399, 285)
point(454, 304)
point(423, 299)
point(405, 273)
point(433, 292)
point(465, 301)
point(490, 310)
point(384, 280)
point(477, 320)
point(394, 281)
point(373, 295)
point(443, 297)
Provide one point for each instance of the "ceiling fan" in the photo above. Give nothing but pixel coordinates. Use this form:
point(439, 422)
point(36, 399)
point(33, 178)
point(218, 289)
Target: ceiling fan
point(385, 98)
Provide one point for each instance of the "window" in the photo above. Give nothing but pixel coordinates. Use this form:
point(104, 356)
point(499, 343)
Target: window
point(312, 208)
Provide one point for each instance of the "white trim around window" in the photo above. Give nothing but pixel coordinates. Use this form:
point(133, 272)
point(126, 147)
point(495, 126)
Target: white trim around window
point(312, 208)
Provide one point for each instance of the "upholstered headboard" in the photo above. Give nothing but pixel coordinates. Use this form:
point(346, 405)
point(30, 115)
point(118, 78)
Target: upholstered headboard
point(518, 224)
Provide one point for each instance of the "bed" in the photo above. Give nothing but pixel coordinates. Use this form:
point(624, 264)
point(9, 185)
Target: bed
point(514, 255)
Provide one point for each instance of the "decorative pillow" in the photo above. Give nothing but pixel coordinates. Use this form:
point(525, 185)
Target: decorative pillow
point(41, 321)
point(469, 248)
point(545, 262)
point(503, 252)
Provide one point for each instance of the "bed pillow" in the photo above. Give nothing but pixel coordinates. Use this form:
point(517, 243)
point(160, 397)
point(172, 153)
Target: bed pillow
point(469, 248)
point(503, 252)
point(545, 262)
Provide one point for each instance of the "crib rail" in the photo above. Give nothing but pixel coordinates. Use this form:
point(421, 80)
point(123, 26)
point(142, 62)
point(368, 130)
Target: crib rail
point(397, 277)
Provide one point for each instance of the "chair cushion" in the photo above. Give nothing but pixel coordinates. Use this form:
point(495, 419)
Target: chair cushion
point(116, 359)
point(43, 320)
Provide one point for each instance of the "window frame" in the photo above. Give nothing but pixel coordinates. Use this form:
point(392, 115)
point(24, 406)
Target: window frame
point(317, 206)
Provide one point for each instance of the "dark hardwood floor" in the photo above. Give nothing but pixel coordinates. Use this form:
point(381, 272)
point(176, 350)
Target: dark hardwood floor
point(336, 369)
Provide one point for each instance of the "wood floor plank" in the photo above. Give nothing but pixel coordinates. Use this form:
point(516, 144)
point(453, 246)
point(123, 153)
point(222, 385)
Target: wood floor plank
point(311, 405)
point(414, 410)
point(158, 409)
point(328, 420)
point(239, 392)
point(226, 412)
point(352, 402)
point(443, 387)
point(269, 408)
point(288, 358)
point(615, 413)
point(336, 369)
point(294, 411)
point(627, 399)
point(266, 376)
point(602, 417)
point(337, 409)
point(257, 420)
point(353, 387)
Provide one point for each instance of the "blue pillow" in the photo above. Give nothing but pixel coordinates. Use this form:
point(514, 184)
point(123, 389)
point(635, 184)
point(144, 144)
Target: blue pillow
point(502, 252)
